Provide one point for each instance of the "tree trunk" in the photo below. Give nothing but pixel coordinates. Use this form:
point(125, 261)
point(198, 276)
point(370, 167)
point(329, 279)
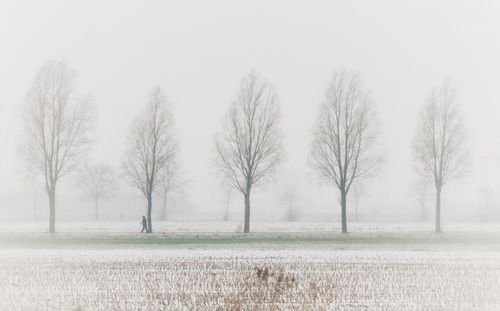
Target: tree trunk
point(96, 204)
point(247, 212)
point(52, 210)
point(343, 204)
point(438, 209)
point(150, 207)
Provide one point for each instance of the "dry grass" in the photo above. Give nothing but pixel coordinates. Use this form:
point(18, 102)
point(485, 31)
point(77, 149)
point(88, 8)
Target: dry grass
point(215, 281)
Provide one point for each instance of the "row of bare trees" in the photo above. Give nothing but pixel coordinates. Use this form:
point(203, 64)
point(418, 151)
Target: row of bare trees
point(250, 147)
point(58, 125)
point(344, 149)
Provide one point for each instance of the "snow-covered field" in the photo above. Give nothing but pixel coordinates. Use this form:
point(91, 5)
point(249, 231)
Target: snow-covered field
point(109, 266)
point(233, 226)
point(252, 279)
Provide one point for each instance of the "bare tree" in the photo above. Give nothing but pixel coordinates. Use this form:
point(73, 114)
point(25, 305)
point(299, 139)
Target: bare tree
point(98, 182)
point(152, 148)
point(346, 132)
point(439, 142)
point(251, 147)
point(57, 125)
point(170, 181)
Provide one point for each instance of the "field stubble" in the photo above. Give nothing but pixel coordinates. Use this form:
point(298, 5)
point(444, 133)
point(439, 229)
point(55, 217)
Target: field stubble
point(183, 279)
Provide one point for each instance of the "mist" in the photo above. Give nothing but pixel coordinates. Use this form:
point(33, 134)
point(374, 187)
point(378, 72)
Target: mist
point(232, 155)
point(198, 54)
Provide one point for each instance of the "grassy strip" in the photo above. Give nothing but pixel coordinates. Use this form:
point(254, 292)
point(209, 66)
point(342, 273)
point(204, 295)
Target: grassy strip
point(406, 240)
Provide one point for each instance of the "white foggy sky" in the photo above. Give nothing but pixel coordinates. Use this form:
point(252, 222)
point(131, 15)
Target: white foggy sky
point(199, 50)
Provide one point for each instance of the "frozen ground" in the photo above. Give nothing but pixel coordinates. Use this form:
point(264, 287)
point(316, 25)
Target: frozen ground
point(252, 279)
point(281, 266)
point(233, 226)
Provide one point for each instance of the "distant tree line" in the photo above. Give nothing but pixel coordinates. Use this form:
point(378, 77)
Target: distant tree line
point(249, 148)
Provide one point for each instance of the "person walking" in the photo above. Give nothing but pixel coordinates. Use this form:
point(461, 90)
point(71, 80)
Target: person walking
point(144, 223)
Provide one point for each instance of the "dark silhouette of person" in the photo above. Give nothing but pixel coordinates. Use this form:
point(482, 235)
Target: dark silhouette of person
point(144, 223)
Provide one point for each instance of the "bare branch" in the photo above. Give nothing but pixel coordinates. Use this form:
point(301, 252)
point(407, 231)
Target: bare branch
point(152, 147)
point(251, 146)
point(440, 142)
point(57, 126)
point(346, 131)
point(98, 181)
point(345, 134)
